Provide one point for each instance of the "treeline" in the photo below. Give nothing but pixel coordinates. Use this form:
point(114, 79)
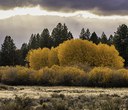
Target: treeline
point(11, 56)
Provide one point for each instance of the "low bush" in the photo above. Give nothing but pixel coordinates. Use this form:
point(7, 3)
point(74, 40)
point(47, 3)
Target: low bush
point(71, 76)
point(119, 78)
point(47, 76)
point(55, 102)
point(2, 71)
point(106, 77)
point(57, 75)
point(100, 76)
point(64, 76)
point(19, 103)
point(17, 76)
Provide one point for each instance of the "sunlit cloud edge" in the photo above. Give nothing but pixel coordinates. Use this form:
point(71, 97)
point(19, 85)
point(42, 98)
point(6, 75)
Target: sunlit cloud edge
point(37, 11)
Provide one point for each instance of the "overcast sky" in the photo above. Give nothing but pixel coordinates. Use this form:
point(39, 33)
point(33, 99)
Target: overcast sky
point(21, 18)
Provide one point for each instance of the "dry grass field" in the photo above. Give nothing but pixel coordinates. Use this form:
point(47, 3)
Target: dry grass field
point(62, 98)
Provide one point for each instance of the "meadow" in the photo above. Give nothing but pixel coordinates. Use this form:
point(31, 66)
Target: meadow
point(62, 98)
point(58, 79)
point(63, 88)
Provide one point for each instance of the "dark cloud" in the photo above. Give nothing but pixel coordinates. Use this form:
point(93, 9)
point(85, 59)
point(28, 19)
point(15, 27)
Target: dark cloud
point(96, 6)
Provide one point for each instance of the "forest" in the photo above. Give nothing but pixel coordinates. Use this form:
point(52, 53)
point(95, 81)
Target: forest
point(60, 59)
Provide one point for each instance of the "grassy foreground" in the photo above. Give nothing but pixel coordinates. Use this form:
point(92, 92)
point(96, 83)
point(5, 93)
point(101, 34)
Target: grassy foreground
point(62, 98)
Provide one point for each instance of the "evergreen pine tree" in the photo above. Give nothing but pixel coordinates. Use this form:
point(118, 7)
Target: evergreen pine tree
point(87, 34)
point(84, 35)
point(0, 59)
point(8, 52)
point(45, 39)
point(37, 36)
point(121, 42)
point(34, 41)
point(104, 39)
point(60, 34)
point(70, 36)
point(24, 51)
point(94, 38)
point(110, 40)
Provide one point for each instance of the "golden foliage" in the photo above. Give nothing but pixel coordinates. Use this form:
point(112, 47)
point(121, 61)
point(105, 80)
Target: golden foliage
point(108, 56)
point(57, 75)
point(85, 52)
point(72, 76)
point(76, 51)
point(38, 58)
point(42, 57)
point(123, 73)
point(53, 57)
point(64, 76)
point(100, 75)
point(16, 75)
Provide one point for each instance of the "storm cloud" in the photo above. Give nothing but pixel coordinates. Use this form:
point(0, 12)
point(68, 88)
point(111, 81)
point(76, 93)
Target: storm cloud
point(20, 27)
point(101, 7)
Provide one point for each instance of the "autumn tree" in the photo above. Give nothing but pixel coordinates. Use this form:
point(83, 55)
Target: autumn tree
point(76, 51)
point(53, 57)
point(39, 58)
point(108, 56)
point(85, 52)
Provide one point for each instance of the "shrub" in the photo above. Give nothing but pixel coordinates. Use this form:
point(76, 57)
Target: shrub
point(86, 67)
point(100, 76)
point(2, 71)
point(119, 78)
point(57, 75)
point(10, 76)
point(107, 77)
point(64, 76)
point(19, 103)
point(47, 76)
point(17, 76)
point(71, 76)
